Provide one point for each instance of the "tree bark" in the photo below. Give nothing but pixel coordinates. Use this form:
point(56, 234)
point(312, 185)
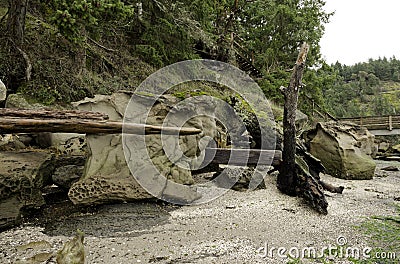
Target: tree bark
point(16, 21)
point(287, 179)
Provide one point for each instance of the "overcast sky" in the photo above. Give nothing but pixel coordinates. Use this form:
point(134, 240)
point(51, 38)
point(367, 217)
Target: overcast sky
point(361, 29)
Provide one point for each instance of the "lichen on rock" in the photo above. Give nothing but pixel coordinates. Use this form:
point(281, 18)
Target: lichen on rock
point(22, 175)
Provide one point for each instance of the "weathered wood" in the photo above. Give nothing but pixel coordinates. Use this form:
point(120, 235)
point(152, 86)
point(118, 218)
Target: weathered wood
point(287, 178)
point(19, 125)
point(387, 122)
point(242, 157)
point(51, 114)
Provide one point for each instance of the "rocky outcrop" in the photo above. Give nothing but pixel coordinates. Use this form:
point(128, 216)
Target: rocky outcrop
point(107, 176)
point(344, 149)
point(22, 175)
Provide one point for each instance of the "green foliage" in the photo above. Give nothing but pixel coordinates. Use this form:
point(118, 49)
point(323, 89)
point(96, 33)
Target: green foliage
point(364, 89)
point(75, 18)
point(162, 36)
point(384, 69)
point(91, 42)
point(384, 234)
point(276, 29)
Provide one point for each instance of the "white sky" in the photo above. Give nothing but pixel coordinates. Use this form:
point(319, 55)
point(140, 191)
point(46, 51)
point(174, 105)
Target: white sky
point(361, 29)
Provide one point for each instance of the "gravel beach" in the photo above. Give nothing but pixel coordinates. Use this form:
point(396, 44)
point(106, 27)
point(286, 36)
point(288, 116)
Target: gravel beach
point(239, 227)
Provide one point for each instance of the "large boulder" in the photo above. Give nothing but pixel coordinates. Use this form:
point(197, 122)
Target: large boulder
point(22, 175)
point(19, 101)
point(345, 150)
point(107, 176)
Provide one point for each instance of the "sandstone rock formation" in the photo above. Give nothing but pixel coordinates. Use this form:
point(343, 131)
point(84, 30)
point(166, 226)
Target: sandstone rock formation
point(344, 149)
point(22, 175)
point(107, 176)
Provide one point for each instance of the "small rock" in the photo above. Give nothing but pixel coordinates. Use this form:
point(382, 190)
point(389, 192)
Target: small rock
point(11, 142)
point(383, 146)
point(73, 251)
point(230, 207)
point(289, 210)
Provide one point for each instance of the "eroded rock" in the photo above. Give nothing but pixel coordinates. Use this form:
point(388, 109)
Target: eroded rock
point(22, 175)
point(66, 175)
point(107, 176)
point(344, 149)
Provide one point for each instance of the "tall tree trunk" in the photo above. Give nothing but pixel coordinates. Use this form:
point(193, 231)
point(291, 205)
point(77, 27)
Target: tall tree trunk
point(287, 179)
point(15, 32)
point(16, 20)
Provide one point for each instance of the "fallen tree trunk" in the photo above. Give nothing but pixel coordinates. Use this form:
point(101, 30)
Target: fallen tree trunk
point(51, 114)
point(22, 125)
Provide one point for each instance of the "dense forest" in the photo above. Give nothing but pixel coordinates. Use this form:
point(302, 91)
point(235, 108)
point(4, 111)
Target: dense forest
point(58, 51)
point(365, 89)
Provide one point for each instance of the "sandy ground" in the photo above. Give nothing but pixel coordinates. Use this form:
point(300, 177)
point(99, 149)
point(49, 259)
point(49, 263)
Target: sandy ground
point(230, 229)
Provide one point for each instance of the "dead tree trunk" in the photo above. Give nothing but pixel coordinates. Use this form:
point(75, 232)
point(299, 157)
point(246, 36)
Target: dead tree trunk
point(16, 20)
point(287, 179)
point(16, 33)
point(299, 173)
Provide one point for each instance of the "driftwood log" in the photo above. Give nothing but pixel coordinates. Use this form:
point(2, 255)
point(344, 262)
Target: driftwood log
point(51, 114)
point(74, 121)
point(18, 125)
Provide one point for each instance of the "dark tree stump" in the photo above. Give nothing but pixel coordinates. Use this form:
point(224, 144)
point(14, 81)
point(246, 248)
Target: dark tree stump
point(287, 179)
point(299, 174)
